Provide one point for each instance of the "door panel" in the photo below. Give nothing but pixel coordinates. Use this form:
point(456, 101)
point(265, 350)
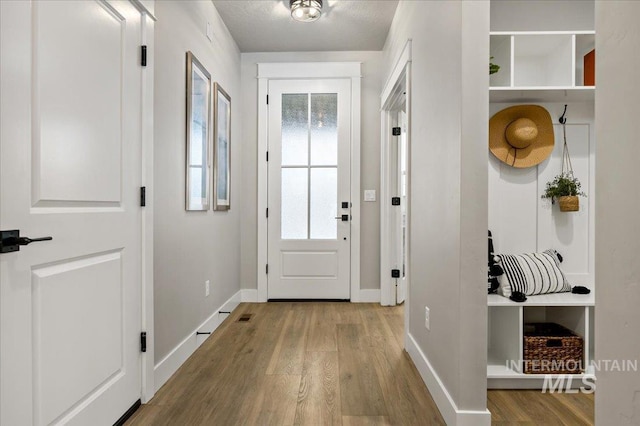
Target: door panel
point(67, 369)
point(77, 127)
point(309, 178)
point(70, 308)
point(310, 264)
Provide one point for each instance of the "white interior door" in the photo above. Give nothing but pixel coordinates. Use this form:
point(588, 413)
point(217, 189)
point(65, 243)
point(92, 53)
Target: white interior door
point(70, 308)
point(309, 187)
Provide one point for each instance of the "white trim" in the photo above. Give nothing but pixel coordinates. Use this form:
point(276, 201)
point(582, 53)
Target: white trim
point(448, 408)
point(517, 33)
point(369, 295)
point(308, 70)
point(387, 98)
point(148, 387)
point(146, 7)
point(263, 188)
point(356, 83)
point(249, 295)
point(170, 363)
point(398, 69)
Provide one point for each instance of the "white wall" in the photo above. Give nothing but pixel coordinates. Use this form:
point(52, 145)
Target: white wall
point(449, 110)
point(522, 222)
point(191, 247)
point(542, 15)
point(370, 157)
point(617, 209)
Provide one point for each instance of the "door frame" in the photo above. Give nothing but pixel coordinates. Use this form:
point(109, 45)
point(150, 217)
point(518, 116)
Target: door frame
point(399, 78)
point(148, 19)
point(307, 71)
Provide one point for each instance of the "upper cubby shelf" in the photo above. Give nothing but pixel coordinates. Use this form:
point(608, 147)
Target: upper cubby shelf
point(540, 66)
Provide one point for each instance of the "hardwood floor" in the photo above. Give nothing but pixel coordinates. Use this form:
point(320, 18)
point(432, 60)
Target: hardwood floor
point(298, 364)
point(532, 407)
point(321, 363)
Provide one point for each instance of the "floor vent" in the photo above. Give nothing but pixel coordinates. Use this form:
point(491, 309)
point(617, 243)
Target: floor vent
point(244, 318)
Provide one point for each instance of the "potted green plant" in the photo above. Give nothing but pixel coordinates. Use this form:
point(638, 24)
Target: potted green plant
point(493, 68)
point(566, 189)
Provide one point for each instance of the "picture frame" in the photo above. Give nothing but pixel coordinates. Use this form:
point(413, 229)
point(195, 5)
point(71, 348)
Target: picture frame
point(222, 149)
point(198, 135)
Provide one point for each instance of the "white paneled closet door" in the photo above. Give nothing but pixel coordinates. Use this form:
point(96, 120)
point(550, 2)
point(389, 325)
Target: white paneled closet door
point(70, 308)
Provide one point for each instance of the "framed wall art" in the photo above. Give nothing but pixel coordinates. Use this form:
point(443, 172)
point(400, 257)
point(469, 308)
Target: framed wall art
point(198, 126)
point(222, 149)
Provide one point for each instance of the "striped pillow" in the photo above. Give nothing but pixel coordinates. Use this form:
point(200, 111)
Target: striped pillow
point(531, 274)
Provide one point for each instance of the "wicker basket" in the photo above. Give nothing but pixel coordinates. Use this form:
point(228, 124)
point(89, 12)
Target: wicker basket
point(550, 348)
point(570, 203)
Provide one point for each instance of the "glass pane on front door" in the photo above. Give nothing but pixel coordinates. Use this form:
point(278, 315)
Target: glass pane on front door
point(309, 166)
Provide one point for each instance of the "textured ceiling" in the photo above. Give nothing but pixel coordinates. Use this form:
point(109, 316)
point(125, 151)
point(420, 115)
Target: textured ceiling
point(266, 25)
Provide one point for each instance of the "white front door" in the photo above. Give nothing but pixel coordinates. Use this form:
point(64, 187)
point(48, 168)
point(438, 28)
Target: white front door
point(70, 142)
point(309, 186)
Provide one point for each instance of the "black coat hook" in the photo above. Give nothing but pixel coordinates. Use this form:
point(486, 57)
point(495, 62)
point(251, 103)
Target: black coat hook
point(563, 119)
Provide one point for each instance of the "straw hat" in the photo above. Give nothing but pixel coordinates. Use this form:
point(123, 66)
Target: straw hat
point(521, 136)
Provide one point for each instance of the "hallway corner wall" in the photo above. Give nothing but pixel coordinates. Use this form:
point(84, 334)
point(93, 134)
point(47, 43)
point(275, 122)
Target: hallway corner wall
point(617, 270)
point(191, 247)
point(448, 198)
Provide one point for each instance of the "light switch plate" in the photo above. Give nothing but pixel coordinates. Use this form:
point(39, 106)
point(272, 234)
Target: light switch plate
point(209, 31)
point(427, 322)
point(369, 195)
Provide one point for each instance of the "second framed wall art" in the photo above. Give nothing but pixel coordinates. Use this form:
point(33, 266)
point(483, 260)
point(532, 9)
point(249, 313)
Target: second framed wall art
point(221, 149)
point(200, 154)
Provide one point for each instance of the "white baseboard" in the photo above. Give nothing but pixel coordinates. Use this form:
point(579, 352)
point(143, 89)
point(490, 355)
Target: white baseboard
point(447, 406)
point(170, 363)
point(368, 296)
point(249, 295)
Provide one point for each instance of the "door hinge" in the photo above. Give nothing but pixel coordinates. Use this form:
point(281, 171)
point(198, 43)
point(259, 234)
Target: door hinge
point(267, 269)
point(396, 131)
point(395, 273)
point(143, 341)
point(143, 56)
point(143, 196)
point(267, 155)
point(267, 211)
point(267, 99)
point(395, 201)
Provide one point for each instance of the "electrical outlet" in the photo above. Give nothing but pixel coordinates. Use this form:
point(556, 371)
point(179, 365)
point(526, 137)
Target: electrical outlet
point(427, 325)
point(206, 288)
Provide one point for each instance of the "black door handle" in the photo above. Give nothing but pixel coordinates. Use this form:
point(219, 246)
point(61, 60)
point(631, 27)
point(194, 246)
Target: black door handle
point(11, 241)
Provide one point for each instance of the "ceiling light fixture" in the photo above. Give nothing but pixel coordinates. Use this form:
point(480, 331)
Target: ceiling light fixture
point(305, 10)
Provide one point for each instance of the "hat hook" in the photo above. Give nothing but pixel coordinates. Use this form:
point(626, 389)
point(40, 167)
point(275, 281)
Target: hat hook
point(563, 119)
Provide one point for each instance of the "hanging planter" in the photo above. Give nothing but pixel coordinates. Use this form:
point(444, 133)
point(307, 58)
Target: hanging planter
point(565, 187)
point(569, 203)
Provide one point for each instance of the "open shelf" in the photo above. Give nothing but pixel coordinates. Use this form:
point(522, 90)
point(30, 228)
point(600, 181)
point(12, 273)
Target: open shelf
point(542, 94)
point(540, 66)
point(556, 299)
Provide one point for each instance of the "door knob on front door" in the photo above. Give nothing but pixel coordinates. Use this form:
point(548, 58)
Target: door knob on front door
point(344, 218)
point(11, 241)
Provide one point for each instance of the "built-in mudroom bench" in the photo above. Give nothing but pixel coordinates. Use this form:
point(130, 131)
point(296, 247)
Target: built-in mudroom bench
point(546, 69)
point(505, 369)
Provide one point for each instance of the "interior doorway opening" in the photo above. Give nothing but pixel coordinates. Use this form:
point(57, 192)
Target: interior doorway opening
point(395, 185)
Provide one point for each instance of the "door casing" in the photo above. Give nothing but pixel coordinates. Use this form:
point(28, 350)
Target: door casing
point(399, 82)
point(308, 71)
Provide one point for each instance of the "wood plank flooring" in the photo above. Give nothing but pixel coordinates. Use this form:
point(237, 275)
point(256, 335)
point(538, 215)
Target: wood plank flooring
point(532, 408)
point(298, 364)
point(322, 363)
